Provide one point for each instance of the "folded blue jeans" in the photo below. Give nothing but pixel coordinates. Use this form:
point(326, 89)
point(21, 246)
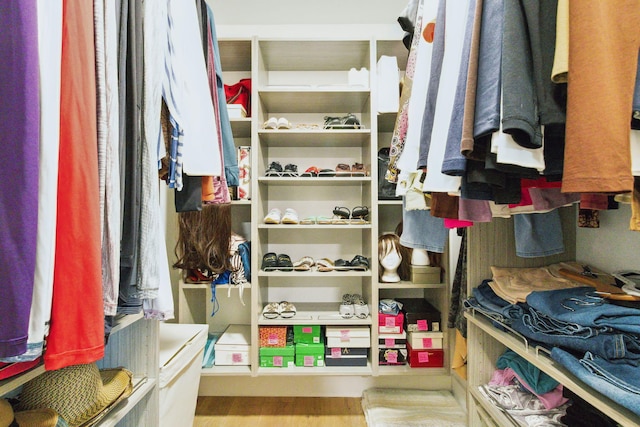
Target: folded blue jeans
point(620, 382)
point(488, 299)
point(582, 306)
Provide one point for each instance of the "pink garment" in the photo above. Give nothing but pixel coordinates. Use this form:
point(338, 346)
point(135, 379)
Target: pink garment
point(545, 199)
point(595, 201)
point(474, 210)
point(456, 223)
point(550, 400)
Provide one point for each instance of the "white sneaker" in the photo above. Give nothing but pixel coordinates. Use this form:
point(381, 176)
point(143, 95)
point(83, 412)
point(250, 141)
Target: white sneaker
point(283, 123)
point(272, 123)
point(273, 217)
point(290, 216)
point(347, 309)
point(360, 307)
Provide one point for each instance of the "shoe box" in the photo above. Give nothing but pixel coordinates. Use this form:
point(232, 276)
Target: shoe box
point(309, 354)
point(345, 356)
point(273, 336)
point(420, 315)
point(233, 346)
point(309, 334)
point(351, 336)
point(390, 324)
point(425, 358)
point(277, 357)
point(244, 173)
point(392, 340)
point(425, 340)
point(392, 356)
point(424, 274)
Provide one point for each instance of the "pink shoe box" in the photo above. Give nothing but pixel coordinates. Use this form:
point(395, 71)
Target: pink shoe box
point(390, 324)
point(425, 358)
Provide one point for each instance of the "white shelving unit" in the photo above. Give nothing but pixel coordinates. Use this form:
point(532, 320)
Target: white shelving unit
point(304, 81)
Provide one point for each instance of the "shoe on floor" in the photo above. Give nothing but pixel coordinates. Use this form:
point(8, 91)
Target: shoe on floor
point(273, 217)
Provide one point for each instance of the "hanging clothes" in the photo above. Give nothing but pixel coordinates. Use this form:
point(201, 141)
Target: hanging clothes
point(18, 170)
point(76, 334)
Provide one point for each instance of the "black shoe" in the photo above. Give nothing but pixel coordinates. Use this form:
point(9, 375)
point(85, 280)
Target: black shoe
point(285, 263)
point(359, 262)
point(269, 262)
point(290, 170)
point(274, 169)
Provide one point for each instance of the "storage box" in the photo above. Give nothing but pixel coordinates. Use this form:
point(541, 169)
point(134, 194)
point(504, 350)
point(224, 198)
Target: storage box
point(180, 360)
point(336, 356)
point(425, 358)
point(426, 340)
point(233, 346)
point(392, 356)
point(425, 274)
point(309, 354)
point(392, 340)
point(273, 336)
point(353, 336)
point(307, 334)
point(390, 324)
point(244, 172)
point(277, 357)
point(236, 111)
point(420, 315)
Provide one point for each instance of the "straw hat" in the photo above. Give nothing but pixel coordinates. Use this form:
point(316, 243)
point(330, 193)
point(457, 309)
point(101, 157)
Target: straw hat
point(78, 393)
point(35, 418)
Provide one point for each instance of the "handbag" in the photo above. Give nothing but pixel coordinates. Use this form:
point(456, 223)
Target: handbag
point(239, 93)
point(386, 189)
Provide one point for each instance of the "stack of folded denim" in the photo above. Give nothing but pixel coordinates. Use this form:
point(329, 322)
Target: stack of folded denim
point(486, 301)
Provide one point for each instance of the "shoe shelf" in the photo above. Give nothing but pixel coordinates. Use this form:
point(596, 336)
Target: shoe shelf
point(329, 180)
point(241, 127)
point(315, 137)
point(408, 370)
point(315, 274)
point(390, 202)
point(278, 101)
point(314, 226)
point(323, 313)
point(318, 370)
point(386, 122)
point(539, 358)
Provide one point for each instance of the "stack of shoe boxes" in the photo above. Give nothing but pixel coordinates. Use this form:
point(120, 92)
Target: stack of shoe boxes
point(276, 347)
point(347, 346)
point(392, 339)
point(233, 347)
point(309, 346)
point(424, 338)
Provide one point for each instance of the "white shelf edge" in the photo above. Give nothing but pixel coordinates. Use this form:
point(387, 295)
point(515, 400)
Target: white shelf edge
point(141, 387)
point(317, 370)
point(205, 286)
point(316, 318)
point(124, 321)
point(14, 382)
point(384, 370)
point(390, 202)
point(547, 365)
point(313, 89)
point(410, 285)
point(226, 370)
point(295, 131)
point(314, 273)
point(313, 226)
point(313, 180)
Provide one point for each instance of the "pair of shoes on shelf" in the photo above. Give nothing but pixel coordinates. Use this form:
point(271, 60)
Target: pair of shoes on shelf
point(355, 170)
point(274, 123)
point(357, 215)
point(275, 169)
point(275, 216)
point(358, 263)
point(353, 305)
point(284, 309)
point(350, 121)
point(304, 264)
point(271, 262)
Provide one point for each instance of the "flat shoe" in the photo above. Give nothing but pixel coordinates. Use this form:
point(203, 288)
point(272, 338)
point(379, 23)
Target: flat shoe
point(269, 261)
point(271, 310)
point(325, 264)
point(287, 310)
point(284, 262)
point(304, 264)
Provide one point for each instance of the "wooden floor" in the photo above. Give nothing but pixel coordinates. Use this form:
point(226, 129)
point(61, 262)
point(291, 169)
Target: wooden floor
point(279, 412)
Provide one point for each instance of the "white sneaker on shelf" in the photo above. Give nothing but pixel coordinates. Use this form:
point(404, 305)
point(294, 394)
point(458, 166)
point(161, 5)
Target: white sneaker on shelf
point(290, 216)
point(347, 309)
point(273, 217)
point(360, 307)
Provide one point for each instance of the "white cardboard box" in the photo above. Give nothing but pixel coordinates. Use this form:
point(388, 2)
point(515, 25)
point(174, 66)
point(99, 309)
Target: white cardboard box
point(236, 111)
point(351, 336)
point(233, 346)
point(426, 340)
point(180, 359)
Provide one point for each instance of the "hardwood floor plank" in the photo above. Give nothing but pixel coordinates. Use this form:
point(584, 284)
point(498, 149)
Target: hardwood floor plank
point(279, 412)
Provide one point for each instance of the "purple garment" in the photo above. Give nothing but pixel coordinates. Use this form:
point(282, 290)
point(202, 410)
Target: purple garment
point(20, 129)
point(474, 210)
point(551, 399)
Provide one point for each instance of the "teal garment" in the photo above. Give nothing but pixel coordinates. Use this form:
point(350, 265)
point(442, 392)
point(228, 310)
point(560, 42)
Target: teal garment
point(228, 146)
point(537, 380)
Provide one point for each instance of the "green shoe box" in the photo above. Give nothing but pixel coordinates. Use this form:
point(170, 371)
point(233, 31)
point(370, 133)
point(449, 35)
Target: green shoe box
point(277, 357)
point(310, 354)
point(309, 334)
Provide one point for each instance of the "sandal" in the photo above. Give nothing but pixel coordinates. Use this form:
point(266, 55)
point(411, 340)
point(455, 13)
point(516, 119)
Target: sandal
point(271, 310)
point(342, 212)
point(361, 309)
point(304, 264)
point(324, 265)
point(269, 262)
point(274, 169)
point(359, 215)
point(350, 121)
point(287, 310)
point(326, 173)
point(343, 169)
point(359, 169)
point(360, 263)
point(272, 123)
point(311, 172)
point(290, 170)
point(310, 220)
point(342, 265)
point(324, 220)
point(284, 263)
point(346, 310)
